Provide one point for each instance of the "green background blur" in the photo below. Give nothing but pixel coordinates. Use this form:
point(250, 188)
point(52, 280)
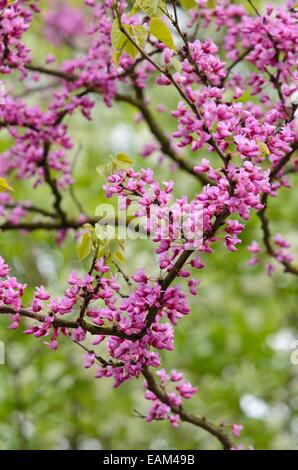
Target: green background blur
point(235, 346)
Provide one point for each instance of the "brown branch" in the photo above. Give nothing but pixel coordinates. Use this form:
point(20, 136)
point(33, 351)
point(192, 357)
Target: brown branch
point(152, 385)
point(87, 295)
point(267, 240)
point(60, 323)
point(52, 183)
point(275, 171)
point(175, 22)
point(103, 362)
point(140, 104)
point(47, 172)
point(186, 416)
point(53, 73)
point(185, 255)
point(123, 274)
point(157, 131)
point(31, 208)
point(211, 141)
point(152, 312)
point(265, 224)
point(60, 225)
point(236, 62)
point(51, 226)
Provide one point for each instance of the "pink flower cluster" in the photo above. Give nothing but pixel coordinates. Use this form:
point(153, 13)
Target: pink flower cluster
point(32, 130)
point(11, 292)
point(237, 129)
point(106, 308)
point(275, 30)
point(279, 247)
point(172, 224)
point(14, 22)
point(96, 68)
point(63, 24)
point(211, 69)
point(160, 410)
point(130, 318)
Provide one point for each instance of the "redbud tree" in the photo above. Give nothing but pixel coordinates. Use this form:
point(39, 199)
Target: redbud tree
point(235, 104)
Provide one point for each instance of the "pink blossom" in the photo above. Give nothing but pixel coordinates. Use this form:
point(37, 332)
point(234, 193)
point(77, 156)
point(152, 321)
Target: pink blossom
point(254, 248)
point(101, 267)
point(89, 360)
point(237, 429)
point(193, 284)
point(4, 269)
point(41, 294)
point(78, 334)
point(186, 390)
point(280, 241)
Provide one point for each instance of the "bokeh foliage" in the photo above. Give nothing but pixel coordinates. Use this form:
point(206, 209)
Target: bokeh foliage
point(235, 346)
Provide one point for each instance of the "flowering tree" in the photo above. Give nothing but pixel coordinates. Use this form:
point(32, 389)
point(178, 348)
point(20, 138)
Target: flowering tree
point(235, 109)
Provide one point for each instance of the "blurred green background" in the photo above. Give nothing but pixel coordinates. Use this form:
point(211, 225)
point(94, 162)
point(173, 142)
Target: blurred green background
point(235, 346)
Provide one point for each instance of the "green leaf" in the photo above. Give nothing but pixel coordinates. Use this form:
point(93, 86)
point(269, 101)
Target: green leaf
point(4, 186)
point(9, 2)
point(120, 162)
point(263, 147)
point(119, 40)
point(107, 170)
point(139, 34)
point(119, 256)
point(151, 7)
point(116, 249)
point(89, 227)
point(135, 8)
point(160, 30)
point(121, 43)
point(188, 4)
point(122, 157)
point(110, 248)
point(84, 247)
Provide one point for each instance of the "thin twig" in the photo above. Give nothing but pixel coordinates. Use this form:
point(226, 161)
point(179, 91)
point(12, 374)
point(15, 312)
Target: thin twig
point(199, 421)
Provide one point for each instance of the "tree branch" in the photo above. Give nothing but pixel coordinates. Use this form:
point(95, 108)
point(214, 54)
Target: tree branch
point(161, 137)
point(186, 416)
point(265, 224)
